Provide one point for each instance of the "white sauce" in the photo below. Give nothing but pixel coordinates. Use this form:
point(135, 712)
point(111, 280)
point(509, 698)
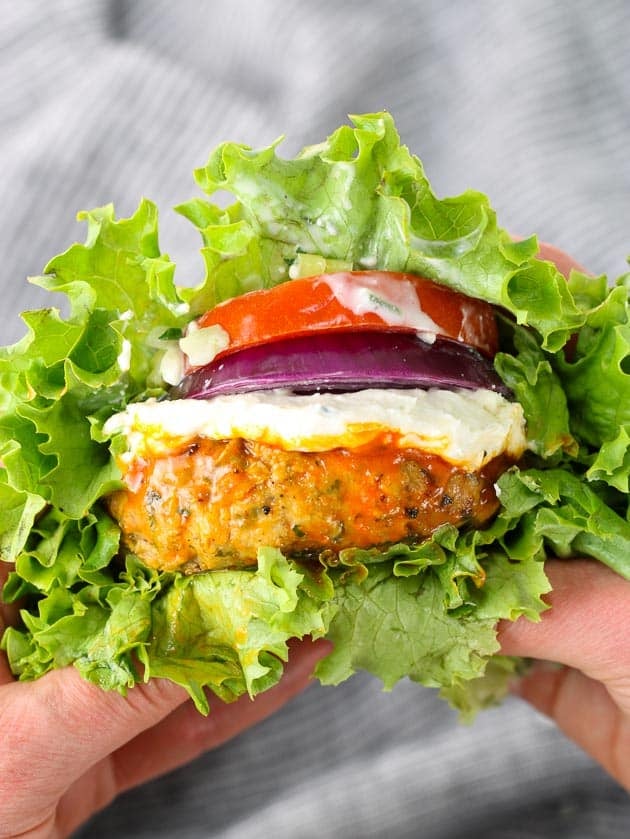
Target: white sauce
point(392, 299)
point(198, 347)
point(473, 322)
point(368, 261)
point(465, 427)
point(172, 365)
point(201, 345)
point(124, 357)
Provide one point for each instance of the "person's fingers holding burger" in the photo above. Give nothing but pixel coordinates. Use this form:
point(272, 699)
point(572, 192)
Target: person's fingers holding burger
point(581, 673)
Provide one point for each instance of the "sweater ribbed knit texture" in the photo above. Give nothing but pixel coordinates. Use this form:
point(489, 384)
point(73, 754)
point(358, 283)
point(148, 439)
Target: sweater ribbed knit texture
point(527, 101)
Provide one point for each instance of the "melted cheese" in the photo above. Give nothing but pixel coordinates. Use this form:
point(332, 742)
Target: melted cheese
point(467, 428)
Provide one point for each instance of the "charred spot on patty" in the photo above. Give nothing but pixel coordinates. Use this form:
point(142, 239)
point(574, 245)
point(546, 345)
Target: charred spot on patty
point(214, 510)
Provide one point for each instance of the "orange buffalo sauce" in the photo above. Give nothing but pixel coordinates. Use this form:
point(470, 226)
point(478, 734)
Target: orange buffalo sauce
point(213, 503)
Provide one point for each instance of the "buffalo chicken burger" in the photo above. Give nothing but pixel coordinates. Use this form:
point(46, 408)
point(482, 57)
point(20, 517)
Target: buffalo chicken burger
point(343, 410)
point(371, 421)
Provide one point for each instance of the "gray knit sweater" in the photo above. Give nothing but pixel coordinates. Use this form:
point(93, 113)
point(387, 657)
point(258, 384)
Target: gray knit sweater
point(528, 101)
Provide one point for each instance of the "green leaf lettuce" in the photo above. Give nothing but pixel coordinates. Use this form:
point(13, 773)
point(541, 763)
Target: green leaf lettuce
point(426, 612)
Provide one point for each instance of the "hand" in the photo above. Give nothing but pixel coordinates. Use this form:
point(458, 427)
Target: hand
point(582, 644)
point(586, 632)
point(67, 748)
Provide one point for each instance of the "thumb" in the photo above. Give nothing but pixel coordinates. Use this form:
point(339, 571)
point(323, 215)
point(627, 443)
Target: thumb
point(58, 727)
point(587, 631)
point(586, 627)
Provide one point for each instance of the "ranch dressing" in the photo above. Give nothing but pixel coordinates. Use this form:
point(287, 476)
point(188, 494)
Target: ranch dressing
point(464, 427)
point(393, 299)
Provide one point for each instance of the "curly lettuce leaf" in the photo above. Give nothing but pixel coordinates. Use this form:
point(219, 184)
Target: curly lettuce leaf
point(397, 627)
point(530, 375)
point(566, 515)
point(229, 630)
point(119, 272)
point(428, 612)
point(19, 511)
point(66, 375)
point(226, 631)
point(361, 197)
point(596, 378)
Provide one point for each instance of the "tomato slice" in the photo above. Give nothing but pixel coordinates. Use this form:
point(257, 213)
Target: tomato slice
point(354, 300)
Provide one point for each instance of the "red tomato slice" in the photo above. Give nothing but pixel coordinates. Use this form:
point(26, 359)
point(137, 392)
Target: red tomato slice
point(350, 301)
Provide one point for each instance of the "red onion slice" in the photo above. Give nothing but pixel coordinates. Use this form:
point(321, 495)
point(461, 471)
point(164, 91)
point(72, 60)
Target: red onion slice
point(341, 362)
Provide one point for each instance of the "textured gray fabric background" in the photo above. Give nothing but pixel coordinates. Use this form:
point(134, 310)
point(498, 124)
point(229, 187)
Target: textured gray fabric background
point(529, 101)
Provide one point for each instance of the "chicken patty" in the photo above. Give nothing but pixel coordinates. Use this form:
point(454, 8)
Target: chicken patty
point(213, 504)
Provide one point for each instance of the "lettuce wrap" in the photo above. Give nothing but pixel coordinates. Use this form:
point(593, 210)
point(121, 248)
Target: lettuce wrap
point(425, 611)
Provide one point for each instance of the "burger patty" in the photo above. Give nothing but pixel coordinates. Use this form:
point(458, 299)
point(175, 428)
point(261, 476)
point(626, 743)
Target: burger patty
point(215, 503)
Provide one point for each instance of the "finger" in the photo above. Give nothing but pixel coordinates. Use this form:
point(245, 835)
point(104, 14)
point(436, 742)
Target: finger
point(584, 709)
point(585, 628)
point(57, 728)
point(181, 737)
point(185, 734)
